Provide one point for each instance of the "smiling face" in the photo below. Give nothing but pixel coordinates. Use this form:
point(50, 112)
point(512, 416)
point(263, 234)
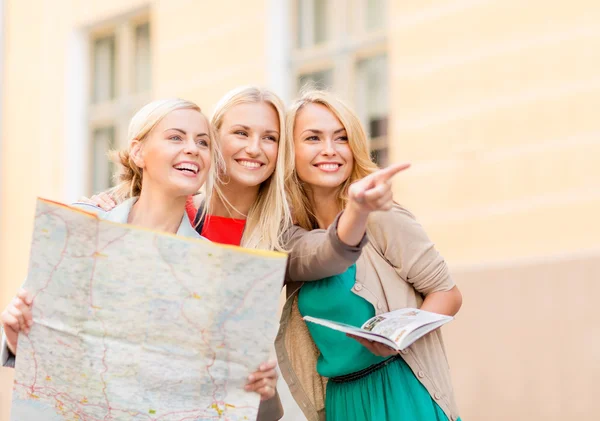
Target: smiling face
point(249, 139)
point(324, 159)
point(175, 155)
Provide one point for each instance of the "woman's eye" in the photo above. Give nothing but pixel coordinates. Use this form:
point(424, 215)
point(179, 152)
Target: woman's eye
point(312, 138)
point(176, 138)
point(343, 138)
point(241, 133)
point(271, 138)
point(202, 142)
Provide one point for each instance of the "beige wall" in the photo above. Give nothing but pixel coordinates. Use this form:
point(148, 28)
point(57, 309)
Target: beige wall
point(496, 104)
point(526, 344)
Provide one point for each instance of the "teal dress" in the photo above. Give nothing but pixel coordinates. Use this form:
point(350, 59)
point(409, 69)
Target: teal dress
point(391, 392)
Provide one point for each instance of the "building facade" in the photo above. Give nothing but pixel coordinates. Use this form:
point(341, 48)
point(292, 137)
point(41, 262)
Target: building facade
point(494, 102)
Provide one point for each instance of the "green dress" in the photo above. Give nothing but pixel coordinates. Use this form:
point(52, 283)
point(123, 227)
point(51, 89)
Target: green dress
point(390, 393)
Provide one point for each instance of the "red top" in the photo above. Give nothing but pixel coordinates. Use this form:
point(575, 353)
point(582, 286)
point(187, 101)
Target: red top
point(218, 228)
point(190, 208)
point(223, 230)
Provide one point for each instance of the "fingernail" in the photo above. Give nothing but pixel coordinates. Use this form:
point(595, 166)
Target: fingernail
point(251, 377)
point(262, 367)
point(246, 388)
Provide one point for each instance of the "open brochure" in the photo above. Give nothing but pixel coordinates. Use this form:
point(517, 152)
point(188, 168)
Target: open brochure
point(397, 329)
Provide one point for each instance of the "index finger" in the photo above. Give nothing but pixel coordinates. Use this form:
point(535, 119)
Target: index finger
point(267, 365)
point(390, 171)
point(25, 296)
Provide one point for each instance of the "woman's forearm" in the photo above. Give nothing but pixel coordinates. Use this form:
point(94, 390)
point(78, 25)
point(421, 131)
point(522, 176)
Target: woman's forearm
point(443, 302)
point(352, 226)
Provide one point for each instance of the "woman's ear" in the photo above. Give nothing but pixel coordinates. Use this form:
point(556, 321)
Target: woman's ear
point(135, 152)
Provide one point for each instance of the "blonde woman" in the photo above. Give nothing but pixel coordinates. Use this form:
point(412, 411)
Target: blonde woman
point(333, 376)
point(170, 154)
point(247, 205)
point(244, 201)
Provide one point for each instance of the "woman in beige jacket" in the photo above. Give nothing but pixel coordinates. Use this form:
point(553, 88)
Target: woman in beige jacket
point(332, 376)
point(245, 121)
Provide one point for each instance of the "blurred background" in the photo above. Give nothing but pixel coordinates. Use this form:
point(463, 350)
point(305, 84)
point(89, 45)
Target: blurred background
point(495, 102)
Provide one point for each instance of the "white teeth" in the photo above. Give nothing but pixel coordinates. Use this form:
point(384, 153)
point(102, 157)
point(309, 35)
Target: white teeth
point(191, 167)
point(328, 167)
point(249, 164)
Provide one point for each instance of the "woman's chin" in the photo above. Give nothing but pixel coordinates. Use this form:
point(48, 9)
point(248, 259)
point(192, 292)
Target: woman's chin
point(247, 180)
point(186, 189)
point(324, 184)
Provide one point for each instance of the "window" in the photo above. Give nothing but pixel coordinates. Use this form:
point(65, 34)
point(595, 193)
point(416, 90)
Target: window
point(143, 68)
point(103, 169)
point(313, 16)
point(104, 69)
point(344, 50)
point(372, 103)
point(375, 16)
point(121, 82)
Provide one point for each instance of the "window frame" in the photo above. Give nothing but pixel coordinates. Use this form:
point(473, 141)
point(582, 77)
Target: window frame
point(348, 44)
point(117, 112)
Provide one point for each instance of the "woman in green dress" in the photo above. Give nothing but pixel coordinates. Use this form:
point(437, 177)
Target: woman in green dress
point(333, 376)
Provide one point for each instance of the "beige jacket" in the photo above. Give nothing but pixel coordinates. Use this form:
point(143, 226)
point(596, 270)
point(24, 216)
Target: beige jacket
point(395, 270)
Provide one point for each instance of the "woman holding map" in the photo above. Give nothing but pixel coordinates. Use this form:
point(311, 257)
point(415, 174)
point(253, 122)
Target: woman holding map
point(333, 375)
point(256, 151)
point(169, 157)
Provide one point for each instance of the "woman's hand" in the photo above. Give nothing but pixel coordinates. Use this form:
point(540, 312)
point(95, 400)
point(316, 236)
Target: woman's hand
point(17, 317)
point(375, 347)
point(102, 200)
point(374, 192)
point(263, 381)
point(369, 194)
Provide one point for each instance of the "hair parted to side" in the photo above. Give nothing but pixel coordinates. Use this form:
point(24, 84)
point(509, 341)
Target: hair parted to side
point(270, 215)
point(129, 176)
point(301, 207)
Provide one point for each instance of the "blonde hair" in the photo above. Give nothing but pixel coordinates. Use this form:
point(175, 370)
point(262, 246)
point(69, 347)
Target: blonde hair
point(129, 177)
point(270, 215)
point(302, 208)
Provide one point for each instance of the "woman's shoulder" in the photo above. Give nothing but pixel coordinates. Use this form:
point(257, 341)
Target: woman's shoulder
point(396, 217)
point(398, 225)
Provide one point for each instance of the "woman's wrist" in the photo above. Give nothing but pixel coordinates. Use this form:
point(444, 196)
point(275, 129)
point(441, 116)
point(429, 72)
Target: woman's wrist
point(352, 225)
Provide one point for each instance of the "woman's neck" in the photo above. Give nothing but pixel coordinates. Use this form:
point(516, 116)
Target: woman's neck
point(325, 205)
point(158, 211)
point(236, 203)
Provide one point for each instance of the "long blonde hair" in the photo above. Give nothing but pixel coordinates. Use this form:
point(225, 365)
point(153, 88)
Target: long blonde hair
point(303, 211)
point(129, 177)
point(270, 215)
